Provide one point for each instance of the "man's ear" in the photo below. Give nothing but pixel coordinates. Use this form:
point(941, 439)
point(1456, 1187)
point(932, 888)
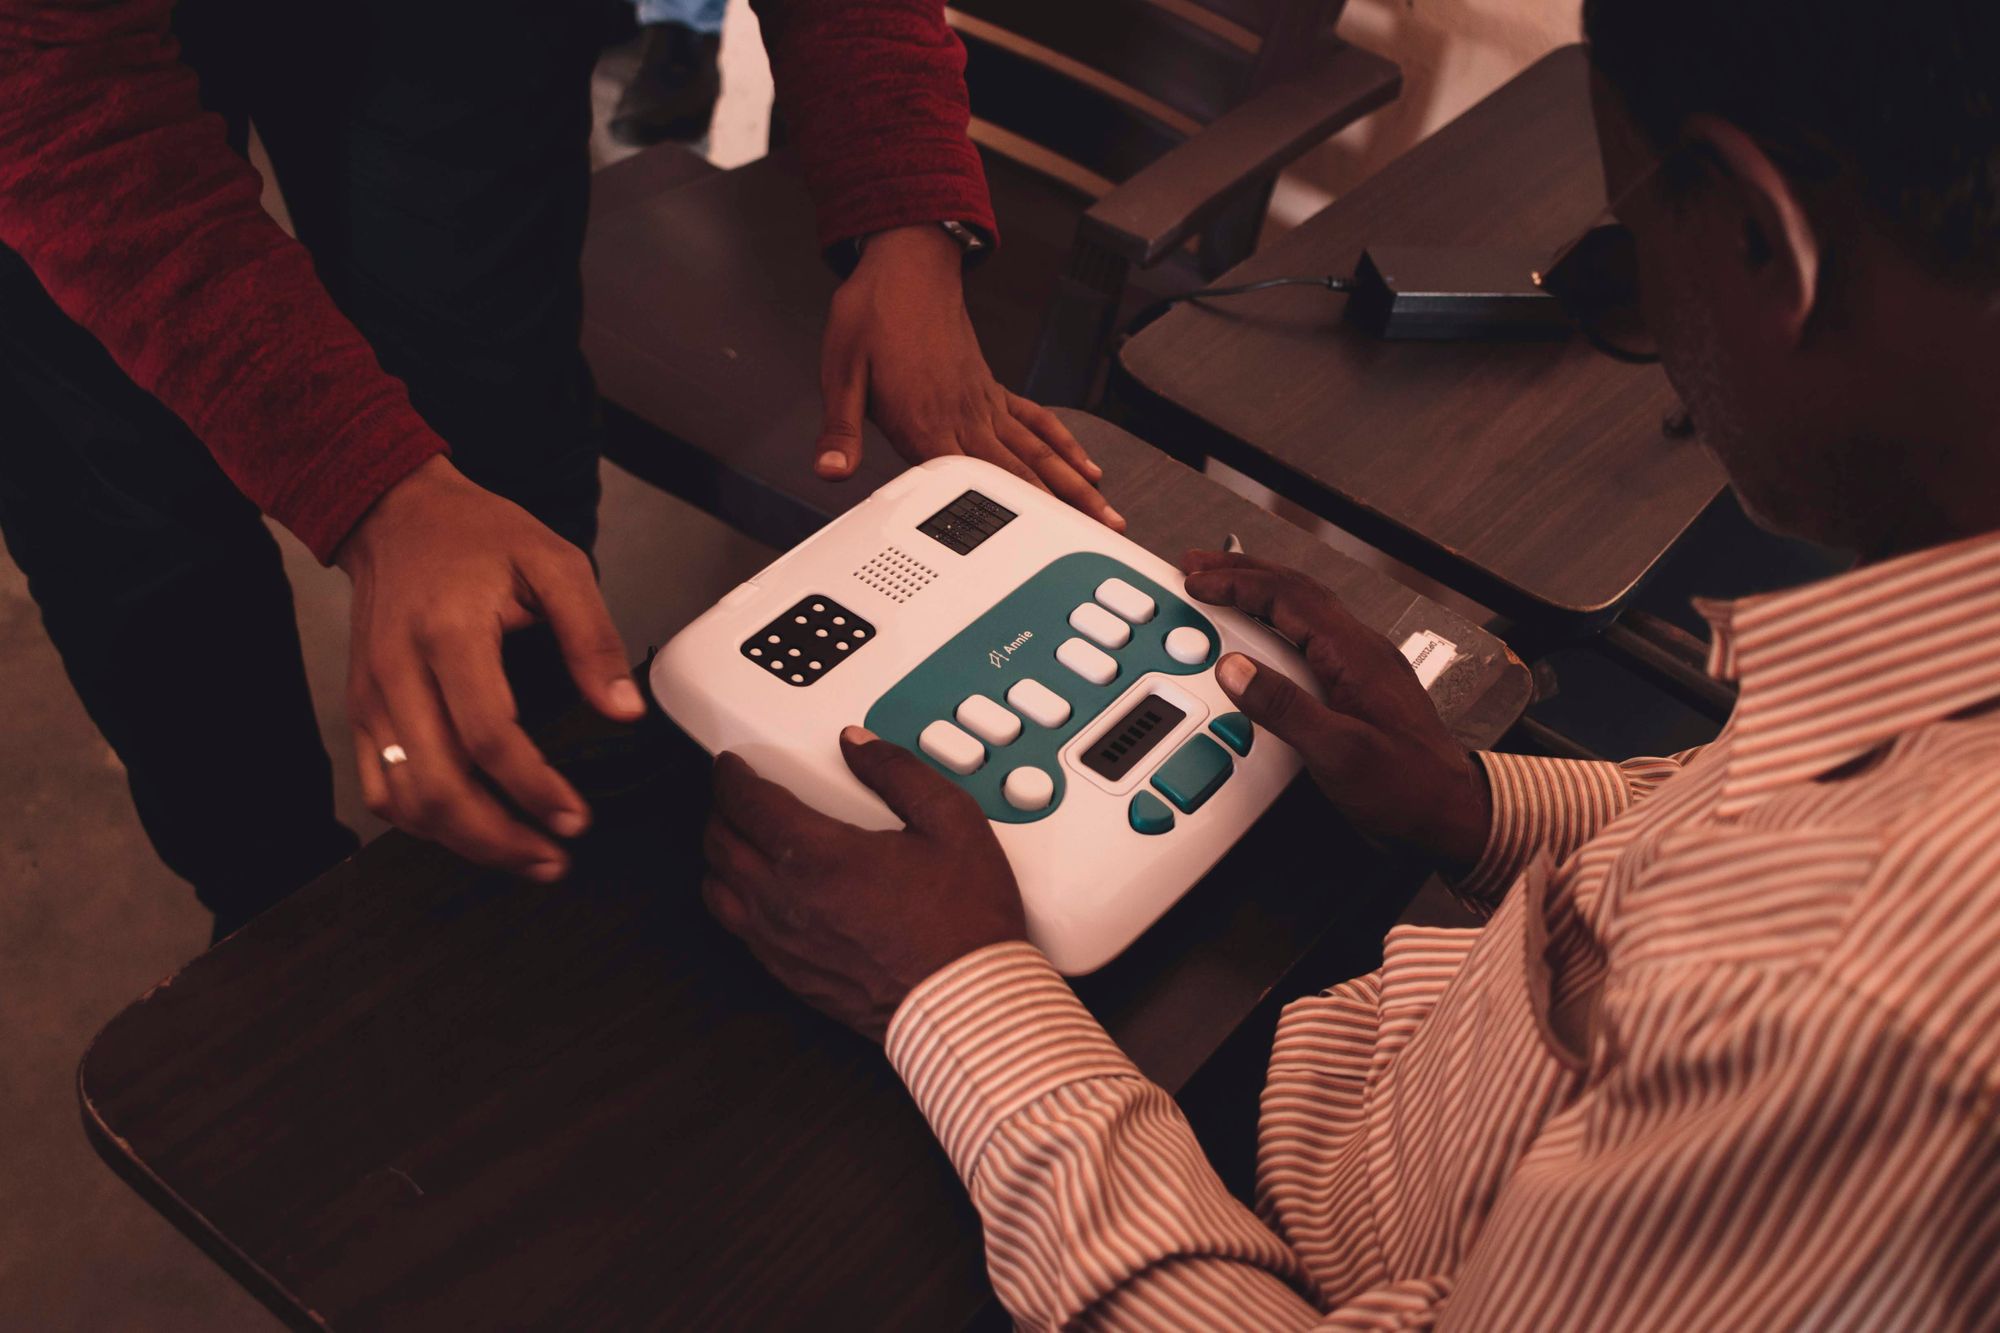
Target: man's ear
point(1781, 247)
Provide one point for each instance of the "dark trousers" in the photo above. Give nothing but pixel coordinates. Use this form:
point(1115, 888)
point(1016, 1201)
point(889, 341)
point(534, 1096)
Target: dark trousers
point(434, 158)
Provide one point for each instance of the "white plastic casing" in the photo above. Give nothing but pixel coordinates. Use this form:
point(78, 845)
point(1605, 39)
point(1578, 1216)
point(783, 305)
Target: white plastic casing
point(1090, 884)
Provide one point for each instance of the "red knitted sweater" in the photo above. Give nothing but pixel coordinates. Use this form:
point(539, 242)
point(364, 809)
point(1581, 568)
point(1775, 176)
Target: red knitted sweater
point(126, 201)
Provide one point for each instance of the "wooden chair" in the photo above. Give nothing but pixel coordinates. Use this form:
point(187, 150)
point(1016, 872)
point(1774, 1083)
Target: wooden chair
point(1186, 111)
point(1130, 145)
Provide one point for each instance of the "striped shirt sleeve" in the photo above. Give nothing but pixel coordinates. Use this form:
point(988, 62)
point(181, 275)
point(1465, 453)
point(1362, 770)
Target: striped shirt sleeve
point(1099, 1208)
point(1552, 805)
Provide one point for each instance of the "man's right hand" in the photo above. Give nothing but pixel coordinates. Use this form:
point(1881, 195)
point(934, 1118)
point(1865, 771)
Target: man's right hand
point(1376, 747)
point(442, 568)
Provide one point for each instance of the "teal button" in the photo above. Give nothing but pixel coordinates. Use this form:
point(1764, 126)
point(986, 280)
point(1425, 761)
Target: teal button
point(1149, 814)
point(1235, 730)
point(1195, 773)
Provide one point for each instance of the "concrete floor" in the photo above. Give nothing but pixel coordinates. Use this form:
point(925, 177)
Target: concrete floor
point(89, 918)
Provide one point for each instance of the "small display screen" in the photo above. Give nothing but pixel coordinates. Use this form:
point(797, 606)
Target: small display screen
point(966, 522)
point(1132, 737)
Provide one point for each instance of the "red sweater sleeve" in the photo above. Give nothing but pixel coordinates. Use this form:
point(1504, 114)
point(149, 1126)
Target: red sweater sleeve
point(874, 93)
point(126, 200)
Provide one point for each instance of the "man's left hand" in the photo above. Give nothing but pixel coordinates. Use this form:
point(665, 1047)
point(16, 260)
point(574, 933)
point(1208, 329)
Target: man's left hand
point(853, 920)
point(900, 350)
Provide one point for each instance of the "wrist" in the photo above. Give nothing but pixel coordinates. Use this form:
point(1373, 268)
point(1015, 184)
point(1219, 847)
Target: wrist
point(924, 249)
point(433, 477)
point(1460, 840)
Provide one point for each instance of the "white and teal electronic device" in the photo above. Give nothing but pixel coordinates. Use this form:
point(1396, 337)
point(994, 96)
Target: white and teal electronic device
point(1056, 671)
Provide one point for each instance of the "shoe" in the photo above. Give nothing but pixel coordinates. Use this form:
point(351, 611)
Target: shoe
point(674, 93)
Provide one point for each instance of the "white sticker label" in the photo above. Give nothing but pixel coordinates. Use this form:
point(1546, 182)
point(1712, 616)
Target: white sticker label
point(1430, 655)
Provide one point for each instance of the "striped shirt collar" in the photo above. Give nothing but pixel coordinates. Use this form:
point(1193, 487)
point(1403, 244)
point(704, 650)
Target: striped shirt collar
point(1832, 670)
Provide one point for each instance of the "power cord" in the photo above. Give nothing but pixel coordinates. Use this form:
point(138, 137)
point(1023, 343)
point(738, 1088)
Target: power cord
point(1161, 306)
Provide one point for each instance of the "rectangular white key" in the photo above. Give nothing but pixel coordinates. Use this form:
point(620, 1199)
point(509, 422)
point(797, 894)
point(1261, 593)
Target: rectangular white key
point(1038, 703)
point(1126, 600)
point(1094, 622)
point(988, 720)
point(1088, 660)
point(951, 747)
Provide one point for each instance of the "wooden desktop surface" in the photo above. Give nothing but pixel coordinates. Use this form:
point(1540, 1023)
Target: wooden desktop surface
point(420, 1096)
point(1534, 476)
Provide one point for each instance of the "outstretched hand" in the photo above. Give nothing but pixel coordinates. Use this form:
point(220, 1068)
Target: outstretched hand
point(900, 350)
point(853, 920)
point(442, 568)
point(1376, 747)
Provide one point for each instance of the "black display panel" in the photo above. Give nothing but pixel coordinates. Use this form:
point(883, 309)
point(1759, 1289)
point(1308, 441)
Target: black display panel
point(1132, 738)
point(966, 522)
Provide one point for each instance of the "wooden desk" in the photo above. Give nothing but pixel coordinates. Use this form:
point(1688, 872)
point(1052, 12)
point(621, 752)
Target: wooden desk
point(418, 1096)
point(1535, 477)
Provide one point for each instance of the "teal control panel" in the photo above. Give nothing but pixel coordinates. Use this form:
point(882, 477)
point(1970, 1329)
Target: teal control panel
point(994, 706)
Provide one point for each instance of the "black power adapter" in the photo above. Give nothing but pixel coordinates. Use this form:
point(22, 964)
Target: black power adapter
point(1417, 292)
point(1425, 292)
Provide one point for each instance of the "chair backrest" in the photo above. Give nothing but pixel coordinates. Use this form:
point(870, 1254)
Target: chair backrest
point(1110, 85)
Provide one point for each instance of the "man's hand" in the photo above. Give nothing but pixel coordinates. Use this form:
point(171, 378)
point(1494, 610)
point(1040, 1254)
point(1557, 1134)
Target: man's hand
point(900, 349)
point(1377, 747)
point(441, 569)
point(853, 920)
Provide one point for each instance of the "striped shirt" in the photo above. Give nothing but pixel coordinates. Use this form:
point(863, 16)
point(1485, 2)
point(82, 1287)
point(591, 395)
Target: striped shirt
point(1724, 1055)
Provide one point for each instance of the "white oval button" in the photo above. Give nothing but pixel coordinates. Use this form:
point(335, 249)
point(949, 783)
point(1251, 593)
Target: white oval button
point(1094, 622)
point(1029, 789)
point(1187, 644)
point(953, 748)
point(1089, 661)
point(1038, 703)
point(1126, 600)
point(988, 721)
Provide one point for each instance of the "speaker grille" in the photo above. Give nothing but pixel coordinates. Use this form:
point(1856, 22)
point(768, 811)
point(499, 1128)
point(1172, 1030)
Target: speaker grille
point(896, 574)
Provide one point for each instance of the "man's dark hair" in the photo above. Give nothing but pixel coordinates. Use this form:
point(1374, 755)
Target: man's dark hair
point(1897, 101)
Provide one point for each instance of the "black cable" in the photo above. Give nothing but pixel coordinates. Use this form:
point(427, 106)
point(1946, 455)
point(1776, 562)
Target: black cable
point(1161, 306)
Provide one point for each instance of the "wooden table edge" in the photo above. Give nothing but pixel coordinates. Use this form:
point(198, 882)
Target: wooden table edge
point(116, 1152)
point(1273, 473)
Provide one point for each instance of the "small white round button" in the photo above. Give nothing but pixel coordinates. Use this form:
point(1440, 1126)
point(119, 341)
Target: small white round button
point(1029, 789)
point(1188, 645)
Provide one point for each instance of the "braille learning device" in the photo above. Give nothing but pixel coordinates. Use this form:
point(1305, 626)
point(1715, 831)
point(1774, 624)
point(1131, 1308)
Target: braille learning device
point(1053, 669)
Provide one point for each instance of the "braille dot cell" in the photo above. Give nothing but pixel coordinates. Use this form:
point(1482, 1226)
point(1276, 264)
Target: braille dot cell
point(840, 620)
point(814, 665)
point(798, 620)
point(777, 666)
point(819, 606)
point(798, 680)
point(791, 652)
point(820, 632)
point(861, 634)
point(842, 645)
point(772, 639)
point(756, 652)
